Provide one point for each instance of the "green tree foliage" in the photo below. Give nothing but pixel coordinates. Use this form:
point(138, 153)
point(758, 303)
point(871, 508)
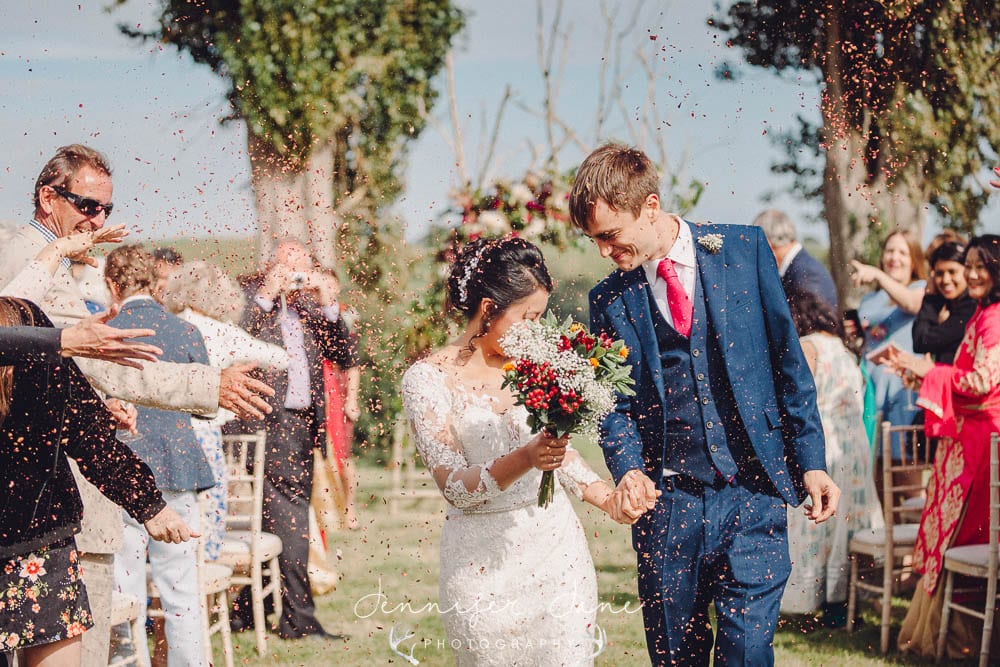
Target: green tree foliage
point(305, 72)
point(331, 93)
point(910, 88)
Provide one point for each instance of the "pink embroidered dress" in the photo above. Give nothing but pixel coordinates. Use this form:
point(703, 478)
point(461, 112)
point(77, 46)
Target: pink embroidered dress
point(962, 404)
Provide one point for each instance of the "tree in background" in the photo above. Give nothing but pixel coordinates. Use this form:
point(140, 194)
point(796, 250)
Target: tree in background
point(908, 107)
point(331, 94)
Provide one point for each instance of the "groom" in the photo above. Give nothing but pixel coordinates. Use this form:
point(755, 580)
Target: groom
point(723, 430)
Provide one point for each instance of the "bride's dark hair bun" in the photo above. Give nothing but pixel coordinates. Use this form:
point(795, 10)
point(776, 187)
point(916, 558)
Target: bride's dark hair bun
point(504, 270)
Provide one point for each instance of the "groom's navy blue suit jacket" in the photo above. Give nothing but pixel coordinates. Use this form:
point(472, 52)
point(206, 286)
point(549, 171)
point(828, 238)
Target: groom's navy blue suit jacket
point(745, 307)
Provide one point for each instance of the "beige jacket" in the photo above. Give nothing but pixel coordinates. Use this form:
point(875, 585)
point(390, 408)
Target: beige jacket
point(187, 387)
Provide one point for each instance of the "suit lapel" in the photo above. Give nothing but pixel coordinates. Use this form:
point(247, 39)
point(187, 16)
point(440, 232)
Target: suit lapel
point(711, 270)
point(638, 315)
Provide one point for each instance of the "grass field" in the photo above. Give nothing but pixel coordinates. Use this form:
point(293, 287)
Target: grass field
point(389, 580)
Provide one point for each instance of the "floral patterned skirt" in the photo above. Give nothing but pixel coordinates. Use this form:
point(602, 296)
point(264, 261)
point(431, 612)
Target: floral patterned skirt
point(42, 597)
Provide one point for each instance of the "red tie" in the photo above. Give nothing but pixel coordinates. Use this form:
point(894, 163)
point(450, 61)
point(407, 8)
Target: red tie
point(677, 298)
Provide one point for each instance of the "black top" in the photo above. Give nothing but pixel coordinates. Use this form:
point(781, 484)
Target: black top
point(942, 339)
point(55, 413)
point(20, 345)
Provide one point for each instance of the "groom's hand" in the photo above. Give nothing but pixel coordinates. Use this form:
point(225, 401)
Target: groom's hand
point(634, 496)
point(824, 494)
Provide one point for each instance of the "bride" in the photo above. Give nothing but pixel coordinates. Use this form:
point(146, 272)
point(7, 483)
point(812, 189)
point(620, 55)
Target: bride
point(517, 582)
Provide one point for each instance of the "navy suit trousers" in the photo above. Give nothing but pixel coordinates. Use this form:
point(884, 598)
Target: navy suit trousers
point(726, 544)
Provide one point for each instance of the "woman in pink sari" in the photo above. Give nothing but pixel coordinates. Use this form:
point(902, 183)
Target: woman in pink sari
point(962, 407)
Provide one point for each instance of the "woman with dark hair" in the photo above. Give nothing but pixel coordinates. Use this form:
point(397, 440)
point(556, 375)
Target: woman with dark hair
point(946, 310)
point(48, 412)
point(819, 552)
point(962, 407)
point(517, 581)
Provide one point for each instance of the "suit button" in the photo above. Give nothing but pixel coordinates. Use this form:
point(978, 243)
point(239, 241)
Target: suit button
point(704, 401)
point(714, 448)
point(708, 425)
point(695, 352)
point(701, 376)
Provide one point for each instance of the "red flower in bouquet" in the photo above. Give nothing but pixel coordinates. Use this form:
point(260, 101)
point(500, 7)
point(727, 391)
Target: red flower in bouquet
point(565, 377)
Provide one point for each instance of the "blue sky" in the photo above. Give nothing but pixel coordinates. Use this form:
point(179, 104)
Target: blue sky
point(68, 75)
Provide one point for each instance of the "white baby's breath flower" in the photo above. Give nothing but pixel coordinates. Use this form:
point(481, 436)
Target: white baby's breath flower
point(535, 228)
point(711, 242)
point(493, 222)
point(521, 193)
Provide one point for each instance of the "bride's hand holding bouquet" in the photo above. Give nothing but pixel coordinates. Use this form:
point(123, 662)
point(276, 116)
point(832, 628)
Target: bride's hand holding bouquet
point(546, 452)
point(566, 377)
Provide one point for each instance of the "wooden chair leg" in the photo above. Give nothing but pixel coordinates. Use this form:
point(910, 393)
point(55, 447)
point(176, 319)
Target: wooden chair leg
point(988, 613)
point(852, 593)
point(276, 588)
point(222, 603)
point(257, 602)
point(206, 626)
point(137, 628)
point(887, 576)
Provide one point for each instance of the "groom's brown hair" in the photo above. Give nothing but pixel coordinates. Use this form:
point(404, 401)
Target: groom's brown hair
point(619, 175)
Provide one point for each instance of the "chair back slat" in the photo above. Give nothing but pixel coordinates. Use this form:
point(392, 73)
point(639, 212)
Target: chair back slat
point(905, 455)
point(245, 483)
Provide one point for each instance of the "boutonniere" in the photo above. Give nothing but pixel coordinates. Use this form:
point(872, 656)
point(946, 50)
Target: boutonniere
point(711, 242)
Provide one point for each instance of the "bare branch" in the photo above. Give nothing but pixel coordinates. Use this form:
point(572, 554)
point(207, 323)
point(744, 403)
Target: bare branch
point(455, 122)
point(491, 147)
point(602, 80)
point(545, 58)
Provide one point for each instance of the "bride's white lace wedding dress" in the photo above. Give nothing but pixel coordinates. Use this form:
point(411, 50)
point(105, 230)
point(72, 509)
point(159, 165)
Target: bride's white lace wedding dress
point(517, 581)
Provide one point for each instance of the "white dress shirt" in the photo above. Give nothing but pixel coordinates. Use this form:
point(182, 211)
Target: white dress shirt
point(298, 396)
point(683, 256)
point(789, 258)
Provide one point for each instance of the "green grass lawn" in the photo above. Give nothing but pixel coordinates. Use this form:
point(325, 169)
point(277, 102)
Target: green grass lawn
point(389, 580)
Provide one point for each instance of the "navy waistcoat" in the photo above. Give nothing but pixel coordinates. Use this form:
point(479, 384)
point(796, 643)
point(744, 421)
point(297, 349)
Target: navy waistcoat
point(703, 433)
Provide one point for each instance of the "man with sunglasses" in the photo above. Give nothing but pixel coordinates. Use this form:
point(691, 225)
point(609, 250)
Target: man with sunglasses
point(72, 195)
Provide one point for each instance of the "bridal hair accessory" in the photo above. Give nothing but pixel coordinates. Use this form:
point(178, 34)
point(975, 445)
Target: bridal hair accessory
point(711, 242)
point(463, 282)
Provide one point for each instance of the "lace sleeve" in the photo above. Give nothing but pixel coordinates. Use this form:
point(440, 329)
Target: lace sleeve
point(427, 406)
point(575, 474)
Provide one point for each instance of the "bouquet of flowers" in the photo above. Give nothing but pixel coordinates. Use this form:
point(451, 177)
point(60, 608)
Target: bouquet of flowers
point(566, 377)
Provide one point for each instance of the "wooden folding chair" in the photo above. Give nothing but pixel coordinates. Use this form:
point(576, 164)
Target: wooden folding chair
point(214, 580)
point(247, 549)
point(889, 545)
point(128, 609)
point(979, 561)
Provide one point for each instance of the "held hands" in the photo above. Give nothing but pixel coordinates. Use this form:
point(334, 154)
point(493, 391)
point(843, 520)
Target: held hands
point(168, 526)
point(242, 394)
point(824, 495)
point(546, 452)
point(635, 495)
point(92, 337)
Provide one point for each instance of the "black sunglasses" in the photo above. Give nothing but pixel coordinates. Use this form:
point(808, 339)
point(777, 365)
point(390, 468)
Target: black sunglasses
point(89, 207)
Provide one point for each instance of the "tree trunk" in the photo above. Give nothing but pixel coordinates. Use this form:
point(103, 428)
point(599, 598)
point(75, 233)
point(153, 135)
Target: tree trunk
point(853, 201)
point(320, 211)
point(293, 201)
